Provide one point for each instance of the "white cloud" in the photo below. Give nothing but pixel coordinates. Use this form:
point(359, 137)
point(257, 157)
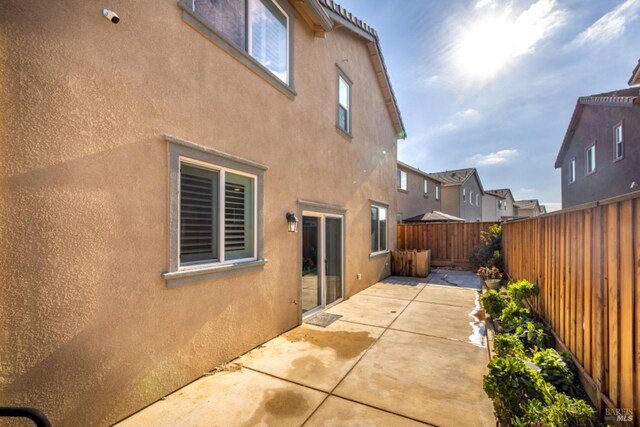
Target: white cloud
point(611, 25)
point(499, 157)
point(460, 120)
point(552, 206)
point(483, 3)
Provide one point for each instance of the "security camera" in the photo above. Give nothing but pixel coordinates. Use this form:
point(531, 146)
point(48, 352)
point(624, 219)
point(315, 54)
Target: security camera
point(111, 15)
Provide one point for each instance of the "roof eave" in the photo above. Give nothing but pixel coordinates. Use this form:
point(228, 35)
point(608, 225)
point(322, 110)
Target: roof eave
point(635, 75)
point(315, 15)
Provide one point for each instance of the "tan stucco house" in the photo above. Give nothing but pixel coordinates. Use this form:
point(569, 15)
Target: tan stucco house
point(418, 192)
point(461, 193)
point(497, 205)
point(148, 168)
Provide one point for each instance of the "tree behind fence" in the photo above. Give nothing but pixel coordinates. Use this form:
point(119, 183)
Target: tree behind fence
point(586, 262)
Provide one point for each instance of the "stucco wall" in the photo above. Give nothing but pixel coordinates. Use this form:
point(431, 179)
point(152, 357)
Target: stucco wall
point(468, 211)
point(90, 332)
point(414, 202)
point(611, 178)
point(490, 211)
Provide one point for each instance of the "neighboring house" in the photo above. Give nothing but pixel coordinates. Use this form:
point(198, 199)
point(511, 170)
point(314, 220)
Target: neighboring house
point(461, 193)
point(635, 75)
point(148, 169)
point(492, 206)
point(527, 208)
point(418, 193)
point(543, 209)
point(504, 203)
point(434, 216)
point(600, 153)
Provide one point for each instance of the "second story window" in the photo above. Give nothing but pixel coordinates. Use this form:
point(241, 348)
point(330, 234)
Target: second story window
point(591, 159)
point(258, 27)
point(402, 180)
point(572, 171)
point(477, 200)
point(471, 198)
point(618, 144)
point(437, 192)
point(344, 103)
point(464, 194)
point(426, 187)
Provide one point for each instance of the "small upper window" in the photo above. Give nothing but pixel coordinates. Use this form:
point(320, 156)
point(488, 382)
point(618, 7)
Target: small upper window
point(471, 200)
point(477, 200)
point(572, 171)
point(437, 192)
point(591, 159)
point(402, 180)
point(344, 102)
point(259, 27)
point(464, 194)
point(426, 187)
point(618, 143)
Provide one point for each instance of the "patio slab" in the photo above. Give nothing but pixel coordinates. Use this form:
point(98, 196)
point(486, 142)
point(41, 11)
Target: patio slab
point(445, 321)
point(369, 310)
point(240, 398)
point(340, 412)
point(313, 356)
point(449, 295)
point(388, 290)
point(431, 379)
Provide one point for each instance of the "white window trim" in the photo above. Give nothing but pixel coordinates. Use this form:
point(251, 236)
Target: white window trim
point(437, 192)
point(615, 141)
point(406, 180)
point(426, 187)
point(386, 208)
point(593, 146)
point(250, 42)
point(572, 170)
point(464, 194)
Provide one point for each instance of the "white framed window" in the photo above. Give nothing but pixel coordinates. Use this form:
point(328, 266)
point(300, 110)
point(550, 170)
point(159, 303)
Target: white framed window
point(464, 194)
point(258, 27)
point(402, 180)
point(572, 171)
point(618, 142)
point(344, 102)
point(591, 159)
point(215, 225)
point(426, 187)
point(477, 200)
point(471, 199)
point(379, 225)
point(437, 192)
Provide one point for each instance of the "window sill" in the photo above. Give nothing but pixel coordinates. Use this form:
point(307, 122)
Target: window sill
point(209, 272)
point(400, 190)
point(344, 133)
point(378, 254)
point(201, 25)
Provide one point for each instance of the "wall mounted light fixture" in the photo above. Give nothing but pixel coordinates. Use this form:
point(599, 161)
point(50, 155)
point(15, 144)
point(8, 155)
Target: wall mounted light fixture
point(292, 222)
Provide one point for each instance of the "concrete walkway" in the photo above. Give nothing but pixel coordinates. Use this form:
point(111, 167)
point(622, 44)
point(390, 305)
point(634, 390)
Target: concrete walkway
point(400, 355)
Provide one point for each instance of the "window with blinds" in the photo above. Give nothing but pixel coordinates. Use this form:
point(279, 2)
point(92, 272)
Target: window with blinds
point(200, 208)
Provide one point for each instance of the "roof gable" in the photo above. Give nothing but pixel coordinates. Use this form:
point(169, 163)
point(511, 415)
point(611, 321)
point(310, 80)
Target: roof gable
point(457, 177)
point(416, 171)
point(635, 75)
point(502, 192)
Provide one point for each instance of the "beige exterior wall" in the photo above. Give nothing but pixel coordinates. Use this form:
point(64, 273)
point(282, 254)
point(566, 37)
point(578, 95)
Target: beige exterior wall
point(414, 202)
point(490, 211)
point(450, 200)
point(90, 332)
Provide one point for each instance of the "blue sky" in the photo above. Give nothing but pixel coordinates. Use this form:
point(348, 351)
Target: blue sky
point(492, 84)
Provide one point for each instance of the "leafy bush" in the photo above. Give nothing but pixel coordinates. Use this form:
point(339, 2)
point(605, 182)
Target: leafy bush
point(508, 345)
point(534, 335)
point(510, 383)
point(560, 411)
point(521, 290)
point(488, 252)
point(514, 316)
point(494, 303)
point(558, 370)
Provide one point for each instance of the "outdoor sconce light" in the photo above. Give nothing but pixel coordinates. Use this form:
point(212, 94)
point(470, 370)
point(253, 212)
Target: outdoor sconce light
point(292, 222)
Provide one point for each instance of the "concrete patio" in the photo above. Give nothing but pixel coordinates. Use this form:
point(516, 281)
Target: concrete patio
point(400, 355)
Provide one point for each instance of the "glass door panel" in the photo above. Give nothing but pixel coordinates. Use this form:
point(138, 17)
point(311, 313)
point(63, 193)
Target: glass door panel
point(333, 259)
point(311, 289)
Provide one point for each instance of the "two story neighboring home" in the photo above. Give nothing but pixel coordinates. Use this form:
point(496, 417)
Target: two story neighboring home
point(492, 204)
point(503, 199)
point(461, 193)
point(527, 208)
point(418, 192)
point(600, 153)
point(154, 174)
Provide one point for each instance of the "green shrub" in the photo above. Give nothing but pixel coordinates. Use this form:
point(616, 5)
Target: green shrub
point(521, 290)
point(534, 335)
point(510, 383)
point(508, 345)
point(488, 252)
point(514, 316)
point(558, 370)
point(560, 411)
point(494, 303)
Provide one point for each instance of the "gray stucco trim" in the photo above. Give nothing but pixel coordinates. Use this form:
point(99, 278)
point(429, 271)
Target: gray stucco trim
point(380, 204)
point(178, 149)
point(379, 254)
point(201, 25)
point(186, 277)
point(321, 207)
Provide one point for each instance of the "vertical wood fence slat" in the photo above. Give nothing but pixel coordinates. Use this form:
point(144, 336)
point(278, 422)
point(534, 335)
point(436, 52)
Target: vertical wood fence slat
point(587, 264)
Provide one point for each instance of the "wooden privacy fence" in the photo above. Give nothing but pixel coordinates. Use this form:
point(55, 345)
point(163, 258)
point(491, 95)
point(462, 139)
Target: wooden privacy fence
point(586, 262)
point(449, 243)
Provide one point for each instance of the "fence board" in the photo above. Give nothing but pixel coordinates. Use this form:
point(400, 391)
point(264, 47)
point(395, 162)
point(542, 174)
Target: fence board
point(587, 264)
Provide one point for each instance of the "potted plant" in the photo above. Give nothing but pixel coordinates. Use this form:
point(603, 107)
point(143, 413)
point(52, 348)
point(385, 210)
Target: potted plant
point(491, 276)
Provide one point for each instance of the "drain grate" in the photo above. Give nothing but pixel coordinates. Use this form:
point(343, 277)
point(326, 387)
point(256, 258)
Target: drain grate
point(323, 319)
